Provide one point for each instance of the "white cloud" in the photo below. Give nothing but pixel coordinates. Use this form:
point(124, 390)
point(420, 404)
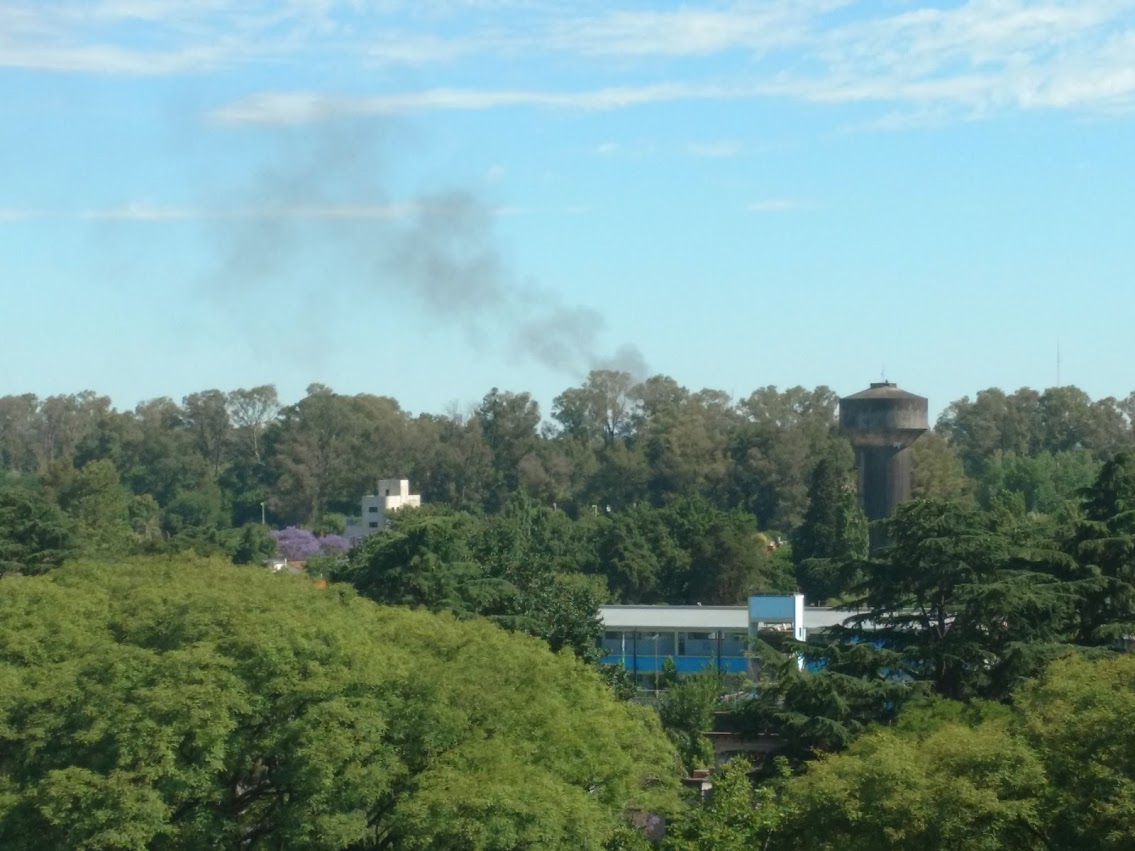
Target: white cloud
point(145, 211)
point(688, 31)
point(141, 211)
point(303, 107)
point(965, 60)
point(720, 148)
point(11, 214)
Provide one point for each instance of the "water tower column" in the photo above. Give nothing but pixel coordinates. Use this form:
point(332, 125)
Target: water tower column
point(882, 422)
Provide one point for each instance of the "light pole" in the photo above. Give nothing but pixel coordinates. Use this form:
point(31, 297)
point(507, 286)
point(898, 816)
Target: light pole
point(262, 523)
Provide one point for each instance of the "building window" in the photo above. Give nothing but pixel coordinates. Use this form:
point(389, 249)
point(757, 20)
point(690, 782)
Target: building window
point(388, 491)
point(697, 644)
point(655, 644)
point(734, 643)
point(372, 509)
point(373, 524)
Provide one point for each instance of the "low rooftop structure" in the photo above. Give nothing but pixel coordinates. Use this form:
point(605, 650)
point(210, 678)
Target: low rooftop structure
point(642, 638)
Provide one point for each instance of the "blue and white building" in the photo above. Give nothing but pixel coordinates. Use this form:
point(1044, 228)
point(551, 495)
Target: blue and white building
point(642, 638)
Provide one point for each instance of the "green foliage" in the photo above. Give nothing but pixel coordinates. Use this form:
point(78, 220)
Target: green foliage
point(957, 787)
point(1080, 719)
point(1054, 771)
point(181, 704)
point(734, 817)
point(834, 527)
point(253, 545)
point(834, 531)
point(937, 471)
point(819, 698)
point(34, 533)
point(1103, 544)
point(1045, 482)
point(514, 570)
point(100, 508)
point(688, 552)
point(686, 710)
point(968, 606)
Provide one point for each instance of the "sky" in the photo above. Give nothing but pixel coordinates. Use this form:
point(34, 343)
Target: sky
point(430, 199)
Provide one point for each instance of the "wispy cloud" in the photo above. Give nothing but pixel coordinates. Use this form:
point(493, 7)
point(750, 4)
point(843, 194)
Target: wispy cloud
point(144, 211)
point(150, 37)
point(302, 107)
point(10, 214)
point(687, 31)
point(965, 60)
point(720, 148)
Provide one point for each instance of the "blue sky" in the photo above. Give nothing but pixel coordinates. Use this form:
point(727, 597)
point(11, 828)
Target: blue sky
point(429, 199)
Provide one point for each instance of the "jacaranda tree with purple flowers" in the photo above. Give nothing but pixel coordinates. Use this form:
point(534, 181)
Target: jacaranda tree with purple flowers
point(296, 544)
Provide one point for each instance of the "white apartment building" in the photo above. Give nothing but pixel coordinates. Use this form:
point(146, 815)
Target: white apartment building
point(375, 508)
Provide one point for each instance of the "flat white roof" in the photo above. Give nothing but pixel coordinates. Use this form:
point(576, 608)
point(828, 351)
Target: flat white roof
point(705, 618)
point(695, 618)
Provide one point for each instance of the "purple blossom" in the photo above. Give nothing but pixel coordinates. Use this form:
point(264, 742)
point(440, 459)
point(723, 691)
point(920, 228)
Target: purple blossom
point(296, 544)
point(330, 545)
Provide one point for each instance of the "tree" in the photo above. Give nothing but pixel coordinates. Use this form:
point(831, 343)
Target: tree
point(294, 543)
point(992, 421)
point(207, 418)
point(17, 427)
point(685, 441)
point(251, 411)
point(253, 545)
point(184, 704)
point(1080, 719)
point(735, 816)
point(1053, 770)
point(818, 698)
point(957, 787)
point(509, 423)
point(158, 457)
point(639, 556)
point(727, 561)
point(1046, 481)
point(969, 607)
point(833, 533)
point(34, 534)
point(451, 461)
point(61, 422)
point(520, 570)
point(1104, 547)
point(937, 471)
point(782, 436)
point(599, 412)
point(686, 711)
point(315, 448)
point(100, 507)
point(424, 558)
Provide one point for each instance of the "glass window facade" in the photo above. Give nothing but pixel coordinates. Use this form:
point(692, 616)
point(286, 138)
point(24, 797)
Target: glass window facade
point(644, 652)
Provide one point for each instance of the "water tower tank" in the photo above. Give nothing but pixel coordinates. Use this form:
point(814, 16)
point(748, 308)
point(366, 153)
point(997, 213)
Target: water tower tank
point(882, 422)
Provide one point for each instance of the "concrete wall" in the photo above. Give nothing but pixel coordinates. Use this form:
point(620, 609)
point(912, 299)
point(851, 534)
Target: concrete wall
point(375, 508)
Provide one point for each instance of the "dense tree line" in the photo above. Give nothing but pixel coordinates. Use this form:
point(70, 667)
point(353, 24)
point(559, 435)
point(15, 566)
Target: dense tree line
point(194, 474)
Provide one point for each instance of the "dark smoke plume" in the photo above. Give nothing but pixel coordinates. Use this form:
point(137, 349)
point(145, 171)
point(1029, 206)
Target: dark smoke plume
point(323, 203)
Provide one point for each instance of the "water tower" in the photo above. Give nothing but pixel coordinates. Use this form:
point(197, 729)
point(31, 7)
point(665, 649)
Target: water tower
point(882, 422)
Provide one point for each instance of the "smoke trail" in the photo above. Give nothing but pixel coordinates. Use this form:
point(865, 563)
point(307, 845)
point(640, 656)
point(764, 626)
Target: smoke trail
point(326, 198)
